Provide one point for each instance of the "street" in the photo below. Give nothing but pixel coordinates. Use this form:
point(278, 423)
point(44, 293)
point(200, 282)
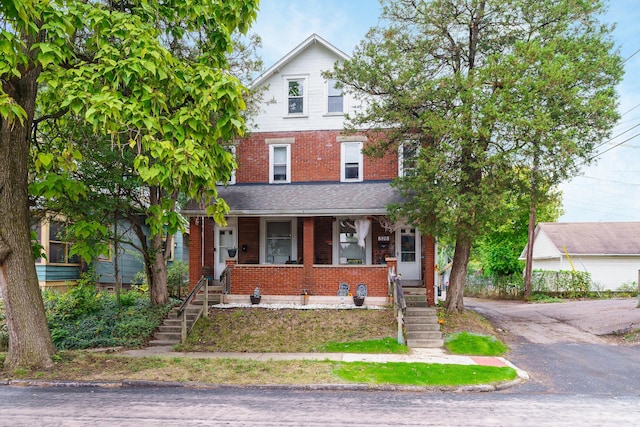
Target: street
point(255, 407)
point(578, 377)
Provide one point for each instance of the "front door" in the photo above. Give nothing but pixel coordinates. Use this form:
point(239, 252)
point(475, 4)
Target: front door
point(225, 239)
point(408, 253)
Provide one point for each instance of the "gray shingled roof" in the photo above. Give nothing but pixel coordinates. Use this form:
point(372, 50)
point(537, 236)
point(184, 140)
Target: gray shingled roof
point(594, 238)
point(363, 198)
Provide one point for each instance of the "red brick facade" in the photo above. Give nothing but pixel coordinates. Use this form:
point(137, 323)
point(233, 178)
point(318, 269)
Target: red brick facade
point(315, 156)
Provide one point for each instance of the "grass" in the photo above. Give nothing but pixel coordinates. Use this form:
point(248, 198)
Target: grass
point(297, 331)
point(262, 330)
point(423, 374)
point(87, 366)
point(475, 344)
point(385, 345)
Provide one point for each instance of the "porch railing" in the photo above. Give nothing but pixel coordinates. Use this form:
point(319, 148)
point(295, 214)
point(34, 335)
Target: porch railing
point(399, 302)
point(202, 312)
point(225, 281)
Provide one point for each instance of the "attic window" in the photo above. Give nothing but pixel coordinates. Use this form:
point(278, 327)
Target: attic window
point(335, 102)
point(296, 96)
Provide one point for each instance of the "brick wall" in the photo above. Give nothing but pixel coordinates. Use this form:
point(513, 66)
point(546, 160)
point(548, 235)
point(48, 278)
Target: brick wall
point(315, 156)
point(290, 279)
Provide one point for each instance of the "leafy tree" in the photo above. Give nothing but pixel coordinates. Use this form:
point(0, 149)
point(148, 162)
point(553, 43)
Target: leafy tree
point(107, 64)
point(499, 250)
point(460, 82)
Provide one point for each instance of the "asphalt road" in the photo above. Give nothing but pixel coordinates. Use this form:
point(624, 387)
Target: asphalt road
point(578, 377)
point(33, 407)
point(566, 347)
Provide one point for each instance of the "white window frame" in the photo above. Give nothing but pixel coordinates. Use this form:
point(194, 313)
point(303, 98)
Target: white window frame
point(305, 95)
point(402, 171)
point(336, 248)
point(272, 164)
point(263, 237)
point(344, 148)
point(328, 87)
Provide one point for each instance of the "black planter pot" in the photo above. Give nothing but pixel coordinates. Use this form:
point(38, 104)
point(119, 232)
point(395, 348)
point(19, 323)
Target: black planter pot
point(232, 252)
point(358, 301)
point(254, 299)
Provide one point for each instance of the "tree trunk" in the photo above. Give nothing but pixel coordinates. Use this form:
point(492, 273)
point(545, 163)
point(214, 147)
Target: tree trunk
point(158, 290)
point(30, 343)
point(454, 302)
point(528, 268)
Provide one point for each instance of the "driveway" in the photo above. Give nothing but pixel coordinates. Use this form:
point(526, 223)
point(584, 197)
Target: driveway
point(569, 347)
point(590, 321)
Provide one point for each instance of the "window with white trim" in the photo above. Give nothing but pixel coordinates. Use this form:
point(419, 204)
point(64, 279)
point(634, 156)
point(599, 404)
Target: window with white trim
point(407, 158)
point(351, 161)
point(296, 101)
point(279, 242)
point(335, 99)
point(279, 163)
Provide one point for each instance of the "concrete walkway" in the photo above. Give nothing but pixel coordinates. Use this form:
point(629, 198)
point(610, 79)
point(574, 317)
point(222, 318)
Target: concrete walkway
point(430, 355)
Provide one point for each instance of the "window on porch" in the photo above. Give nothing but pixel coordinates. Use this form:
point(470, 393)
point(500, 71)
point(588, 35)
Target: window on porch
point(349, 251)
point(279, 242)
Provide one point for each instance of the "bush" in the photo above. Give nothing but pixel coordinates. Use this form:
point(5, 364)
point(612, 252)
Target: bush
point(570, 284)
point(85, 318)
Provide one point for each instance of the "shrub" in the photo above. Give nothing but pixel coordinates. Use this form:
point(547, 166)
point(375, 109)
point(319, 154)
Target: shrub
point(85, 318)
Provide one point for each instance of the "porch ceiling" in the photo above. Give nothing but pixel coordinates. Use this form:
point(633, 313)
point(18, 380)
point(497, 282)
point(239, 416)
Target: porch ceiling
point(320, 199)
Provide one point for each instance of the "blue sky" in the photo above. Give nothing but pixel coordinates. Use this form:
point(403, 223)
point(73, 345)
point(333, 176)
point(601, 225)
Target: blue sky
point(606, 191)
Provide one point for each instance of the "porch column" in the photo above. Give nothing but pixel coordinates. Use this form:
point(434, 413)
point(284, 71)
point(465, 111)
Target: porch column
point(308, 255)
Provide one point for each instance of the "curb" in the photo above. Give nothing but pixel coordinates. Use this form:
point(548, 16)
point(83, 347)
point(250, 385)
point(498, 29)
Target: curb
point(479, 388)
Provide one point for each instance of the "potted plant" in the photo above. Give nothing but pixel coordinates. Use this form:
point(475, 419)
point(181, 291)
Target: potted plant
point(358, 301)
point(256, 297)
point(232, 252)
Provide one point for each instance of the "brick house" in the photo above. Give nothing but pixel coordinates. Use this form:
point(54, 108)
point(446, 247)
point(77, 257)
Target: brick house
point(308, 210)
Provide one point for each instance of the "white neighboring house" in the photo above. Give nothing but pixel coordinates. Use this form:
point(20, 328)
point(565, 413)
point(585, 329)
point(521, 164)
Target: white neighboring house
point(610, 251)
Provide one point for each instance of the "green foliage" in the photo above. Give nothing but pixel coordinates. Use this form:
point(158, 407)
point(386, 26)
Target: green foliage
point(569, 284)
point(422, 374)
point(542, 298)
point(85, 318)
point(502, 287)
point(178, 278)
point(628, 289)
point(385, 345)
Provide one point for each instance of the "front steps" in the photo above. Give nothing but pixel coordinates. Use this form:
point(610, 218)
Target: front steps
point(420, 321)
point(170, 332)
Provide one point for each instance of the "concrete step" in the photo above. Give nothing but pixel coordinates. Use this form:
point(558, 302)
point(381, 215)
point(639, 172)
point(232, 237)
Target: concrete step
point(424, 335)
point(163, 342)
point(420, 327)
point(425, 343)
point(167, 336)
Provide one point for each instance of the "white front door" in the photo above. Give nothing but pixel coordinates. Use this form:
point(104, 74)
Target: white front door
point(225, 239)
point(408, 253)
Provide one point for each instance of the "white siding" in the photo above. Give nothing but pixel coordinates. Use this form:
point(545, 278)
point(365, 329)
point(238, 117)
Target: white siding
point(544, 247)
point(309, 64)
point(606, 272)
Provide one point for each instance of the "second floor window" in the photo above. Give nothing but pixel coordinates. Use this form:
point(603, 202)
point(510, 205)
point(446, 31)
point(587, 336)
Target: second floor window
point(351, 161)
point(295, 96)
point(335, 102)
point(280, 164)
point(407, 158)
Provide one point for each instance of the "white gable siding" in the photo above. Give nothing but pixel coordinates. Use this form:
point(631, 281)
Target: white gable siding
point(309, 64)
point(544, 247)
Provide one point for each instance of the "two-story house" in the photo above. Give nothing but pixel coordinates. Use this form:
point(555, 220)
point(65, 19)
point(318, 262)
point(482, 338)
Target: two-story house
point(308, 209)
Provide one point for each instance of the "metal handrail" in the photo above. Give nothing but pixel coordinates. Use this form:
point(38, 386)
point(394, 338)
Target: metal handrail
point(225, 280)
point(204, 310)
point(399, 303)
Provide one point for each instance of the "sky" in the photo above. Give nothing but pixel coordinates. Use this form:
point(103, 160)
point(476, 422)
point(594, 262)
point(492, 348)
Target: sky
point(608, 190)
